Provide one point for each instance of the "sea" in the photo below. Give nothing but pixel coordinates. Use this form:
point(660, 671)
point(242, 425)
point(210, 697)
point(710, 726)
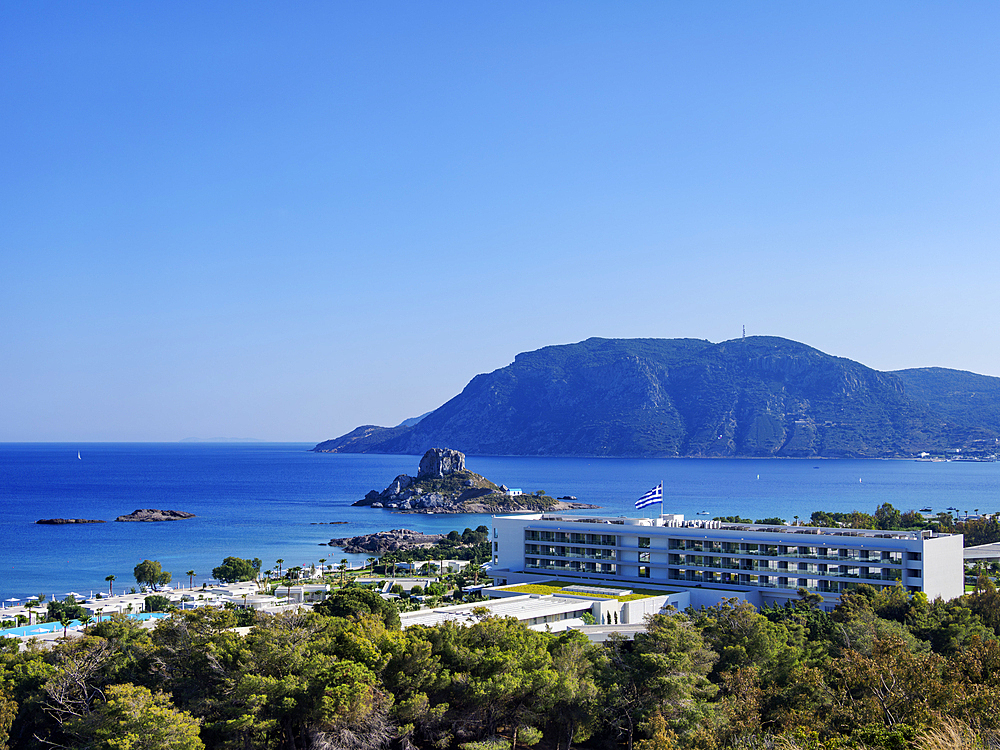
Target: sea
point(280, 501)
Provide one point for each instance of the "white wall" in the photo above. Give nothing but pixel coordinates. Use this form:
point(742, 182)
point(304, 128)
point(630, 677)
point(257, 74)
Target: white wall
point(943, 567)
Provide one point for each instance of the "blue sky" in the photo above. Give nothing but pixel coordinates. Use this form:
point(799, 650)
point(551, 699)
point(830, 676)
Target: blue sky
point(280, 222)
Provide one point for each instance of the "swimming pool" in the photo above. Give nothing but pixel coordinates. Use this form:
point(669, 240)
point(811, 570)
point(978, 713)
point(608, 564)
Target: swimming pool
point(46, 628)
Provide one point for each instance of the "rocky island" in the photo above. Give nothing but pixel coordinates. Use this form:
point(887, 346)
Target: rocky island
point(444, 485)
point(146, 515)
point(61, 521)
point(380, 542)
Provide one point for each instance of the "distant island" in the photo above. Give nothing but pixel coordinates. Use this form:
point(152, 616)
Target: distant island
point(142, 515)
point(761, 396)
point(147, 515)
point(444, 485)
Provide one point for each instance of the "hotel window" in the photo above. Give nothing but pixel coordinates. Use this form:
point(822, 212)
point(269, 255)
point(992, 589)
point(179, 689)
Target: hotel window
point(644, 557)
point(643, 571)
point(644, 542)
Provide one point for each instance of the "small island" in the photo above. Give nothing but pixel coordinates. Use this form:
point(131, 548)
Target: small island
point(395, 540)
point(146, 515)
point(444, 485)
point(61, 521)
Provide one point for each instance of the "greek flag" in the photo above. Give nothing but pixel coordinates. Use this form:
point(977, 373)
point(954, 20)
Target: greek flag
point(652, 497)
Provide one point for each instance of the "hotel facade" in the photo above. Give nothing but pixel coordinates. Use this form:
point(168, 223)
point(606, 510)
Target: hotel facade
point(762, 564)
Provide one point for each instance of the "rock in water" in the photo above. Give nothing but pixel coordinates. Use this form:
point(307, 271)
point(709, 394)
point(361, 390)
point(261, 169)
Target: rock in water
point(151, 514)
point(440, 461)
point(61, 521)
point(387, 541)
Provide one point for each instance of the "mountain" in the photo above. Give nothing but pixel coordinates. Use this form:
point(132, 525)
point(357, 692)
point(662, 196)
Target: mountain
point(759, 396)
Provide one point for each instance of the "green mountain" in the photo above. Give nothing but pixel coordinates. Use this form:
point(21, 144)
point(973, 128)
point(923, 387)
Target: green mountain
point(759, 396)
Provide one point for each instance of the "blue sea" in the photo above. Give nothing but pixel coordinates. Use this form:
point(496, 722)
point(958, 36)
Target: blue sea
point(275, 500)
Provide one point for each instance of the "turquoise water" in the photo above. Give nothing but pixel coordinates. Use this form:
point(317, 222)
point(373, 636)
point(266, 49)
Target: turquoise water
point(51, 627)
point(274, 500)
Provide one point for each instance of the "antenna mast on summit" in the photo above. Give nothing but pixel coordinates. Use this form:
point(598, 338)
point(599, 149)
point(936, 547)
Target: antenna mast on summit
point(744, 333)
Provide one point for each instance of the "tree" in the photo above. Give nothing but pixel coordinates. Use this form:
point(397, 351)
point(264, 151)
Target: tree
point(664, 669)
point(133, 718)
point(887, 517)
point(156, 603)
point(190, 574)
point(8, 710)
point(67, 608)
point(148, 573)
point(278, 563)
point(111, 585)
point(342, 567)
point(234, 569)
point(356, 601)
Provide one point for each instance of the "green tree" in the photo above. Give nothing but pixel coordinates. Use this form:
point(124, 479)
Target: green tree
point(148, 573)
point(111, 585)
point(887, 517)
point(156, 603)
point(8, 711)
point(190, 574)
point(234, 569)
point(67, 608)
point(665, 668)
point(356, 601)
point(133, 718)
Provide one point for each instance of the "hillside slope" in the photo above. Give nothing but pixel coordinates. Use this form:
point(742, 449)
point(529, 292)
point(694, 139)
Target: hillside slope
point(759, 396)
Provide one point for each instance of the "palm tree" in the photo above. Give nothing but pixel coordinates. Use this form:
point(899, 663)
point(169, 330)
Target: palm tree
point(111, 585)
point(29, 605)
point(371, 563)
point(343, 570)
point(322, 564)
point(65, 621)
point(278, 563)
point(292, 574)
point(190, 574)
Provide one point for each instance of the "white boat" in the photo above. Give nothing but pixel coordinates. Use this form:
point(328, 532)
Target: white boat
point(79, 456)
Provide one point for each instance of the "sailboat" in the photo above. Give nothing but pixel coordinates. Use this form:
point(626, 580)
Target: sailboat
point(79, 456)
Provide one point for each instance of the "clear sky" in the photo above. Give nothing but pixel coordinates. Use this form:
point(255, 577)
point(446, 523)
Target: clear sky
point(283, 220)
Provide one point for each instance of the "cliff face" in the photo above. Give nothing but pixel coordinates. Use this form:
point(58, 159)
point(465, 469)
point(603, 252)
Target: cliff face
point(762, 396)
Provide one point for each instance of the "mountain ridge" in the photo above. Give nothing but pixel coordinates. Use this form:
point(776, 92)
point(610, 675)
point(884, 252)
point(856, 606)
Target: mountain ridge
point(754, 397)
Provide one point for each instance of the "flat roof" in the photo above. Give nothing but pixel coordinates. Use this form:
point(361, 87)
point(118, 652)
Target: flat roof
point(709, 526)
point(520, 607)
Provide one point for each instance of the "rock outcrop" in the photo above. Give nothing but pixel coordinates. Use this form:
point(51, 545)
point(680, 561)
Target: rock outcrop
point(151, 514)
point(61, 521)
point(444, 485)
point(439, 462)
point(387, 541)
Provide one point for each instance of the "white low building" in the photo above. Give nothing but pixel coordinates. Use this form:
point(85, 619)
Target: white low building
point(712, 560)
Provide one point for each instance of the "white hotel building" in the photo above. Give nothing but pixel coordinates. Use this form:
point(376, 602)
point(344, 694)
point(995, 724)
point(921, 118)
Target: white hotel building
point(713, 560)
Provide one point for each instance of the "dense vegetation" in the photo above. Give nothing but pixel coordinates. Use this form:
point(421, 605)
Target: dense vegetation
point(759, 396)
point(881, 671)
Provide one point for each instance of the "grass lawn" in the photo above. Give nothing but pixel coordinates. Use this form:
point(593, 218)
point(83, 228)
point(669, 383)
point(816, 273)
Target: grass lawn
point(555, 587)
